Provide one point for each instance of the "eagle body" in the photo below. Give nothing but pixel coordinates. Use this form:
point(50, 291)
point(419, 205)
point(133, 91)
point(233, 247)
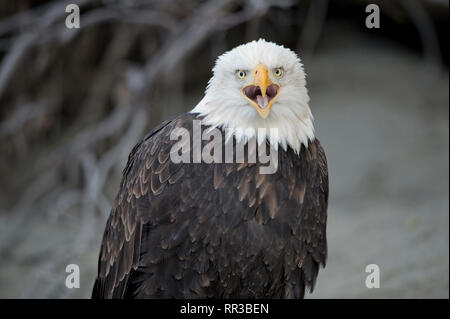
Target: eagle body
point(219, 230)
point(223, 229)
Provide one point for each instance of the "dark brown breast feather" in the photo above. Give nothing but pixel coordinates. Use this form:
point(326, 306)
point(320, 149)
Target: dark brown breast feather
point(214, 230)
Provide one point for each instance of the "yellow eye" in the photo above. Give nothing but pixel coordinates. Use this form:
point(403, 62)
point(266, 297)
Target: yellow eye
point(278, 72)
point(241, 74)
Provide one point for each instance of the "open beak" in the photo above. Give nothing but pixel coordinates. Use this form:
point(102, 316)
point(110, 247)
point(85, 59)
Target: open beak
point(262, 92)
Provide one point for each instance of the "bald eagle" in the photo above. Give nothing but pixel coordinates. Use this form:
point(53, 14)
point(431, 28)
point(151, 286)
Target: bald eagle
point(223, 228)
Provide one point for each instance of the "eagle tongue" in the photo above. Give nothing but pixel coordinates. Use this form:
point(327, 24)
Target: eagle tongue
point(263, 102)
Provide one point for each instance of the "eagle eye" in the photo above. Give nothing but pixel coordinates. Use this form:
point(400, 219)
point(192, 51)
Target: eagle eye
point(241, 74)
point(278, 72)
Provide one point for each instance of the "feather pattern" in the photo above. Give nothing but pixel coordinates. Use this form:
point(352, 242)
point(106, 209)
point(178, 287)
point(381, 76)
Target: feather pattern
point(217, 230)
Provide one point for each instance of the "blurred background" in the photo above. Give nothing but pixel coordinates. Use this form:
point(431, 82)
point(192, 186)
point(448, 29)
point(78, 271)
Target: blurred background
point(73, 102)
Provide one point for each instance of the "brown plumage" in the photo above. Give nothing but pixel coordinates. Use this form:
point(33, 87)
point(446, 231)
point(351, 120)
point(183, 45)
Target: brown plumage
point(214, 230)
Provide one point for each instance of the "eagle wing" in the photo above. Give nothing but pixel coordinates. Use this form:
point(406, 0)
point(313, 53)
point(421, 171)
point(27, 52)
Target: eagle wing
point(121, 245)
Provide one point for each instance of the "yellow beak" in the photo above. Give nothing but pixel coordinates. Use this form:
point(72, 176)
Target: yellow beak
point(261, 92)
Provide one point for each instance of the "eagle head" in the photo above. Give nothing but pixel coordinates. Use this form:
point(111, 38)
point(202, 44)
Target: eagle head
point(259, 85)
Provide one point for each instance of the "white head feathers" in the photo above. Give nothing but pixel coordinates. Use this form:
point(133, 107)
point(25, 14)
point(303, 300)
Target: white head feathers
point(225, 106)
